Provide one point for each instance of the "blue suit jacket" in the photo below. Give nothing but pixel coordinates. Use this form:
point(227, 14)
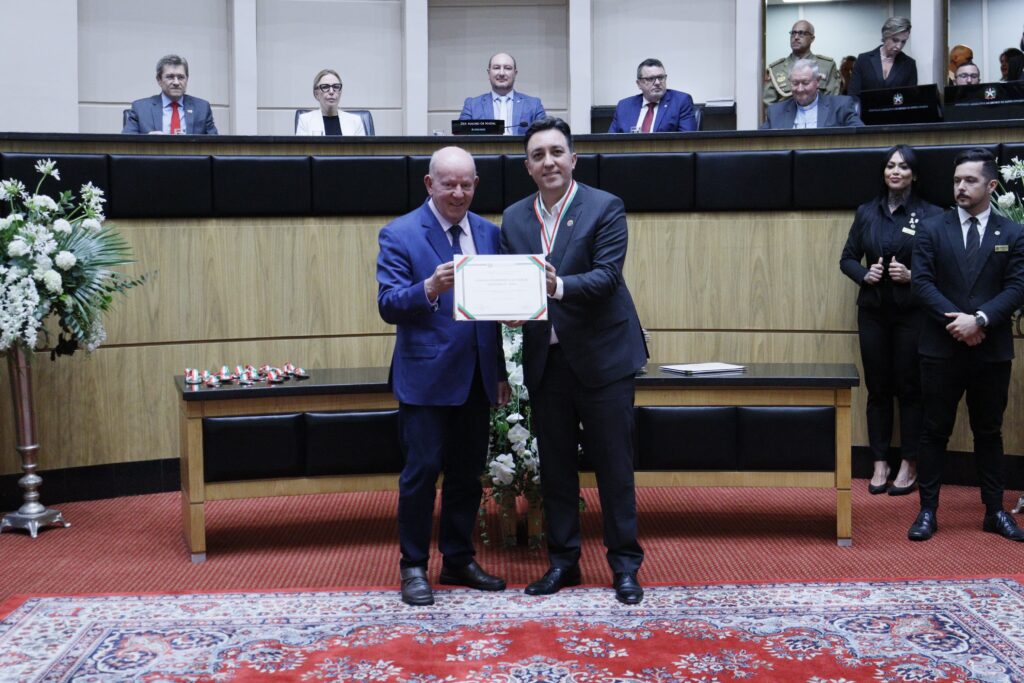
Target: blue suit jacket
point(942, 283)
point(675, 113)
point(435, 356)
point(596, 321)
point(525, 110)
point(146, 116)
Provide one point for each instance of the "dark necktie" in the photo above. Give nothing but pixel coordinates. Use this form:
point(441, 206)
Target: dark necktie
point(973, 242)
point(648, 118)
point(175, 119)
point(455, 231)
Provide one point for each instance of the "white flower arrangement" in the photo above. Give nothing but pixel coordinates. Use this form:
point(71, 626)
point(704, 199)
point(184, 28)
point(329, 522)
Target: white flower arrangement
point(513, 460)
point(1008, 201)
point(56, 257)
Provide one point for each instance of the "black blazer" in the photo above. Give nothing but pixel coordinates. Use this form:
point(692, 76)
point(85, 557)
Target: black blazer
point(596, 322)
point(942, 284)
point(871, 224)
point(867, 73)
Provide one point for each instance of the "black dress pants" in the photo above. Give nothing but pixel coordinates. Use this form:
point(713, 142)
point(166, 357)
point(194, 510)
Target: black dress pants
point(559, 406)
point(943, 382)
point(888, 351)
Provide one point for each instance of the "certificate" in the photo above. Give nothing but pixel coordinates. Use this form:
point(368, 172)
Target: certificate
point(506, 287)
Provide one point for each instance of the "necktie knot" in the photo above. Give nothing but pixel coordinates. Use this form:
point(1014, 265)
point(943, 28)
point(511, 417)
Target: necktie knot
point(455, 232)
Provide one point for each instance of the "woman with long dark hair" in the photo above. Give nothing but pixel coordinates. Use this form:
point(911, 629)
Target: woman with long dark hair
point(888, 322)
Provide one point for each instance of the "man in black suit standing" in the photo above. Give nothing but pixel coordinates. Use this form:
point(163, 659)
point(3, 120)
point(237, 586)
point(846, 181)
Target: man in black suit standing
point(968, 275)
point(579, 364)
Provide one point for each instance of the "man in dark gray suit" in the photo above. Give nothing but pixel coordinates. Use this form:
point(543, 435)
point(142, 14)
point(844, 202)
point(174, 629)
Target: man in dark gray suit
point(968, 277)
point(579, 365)
point(172, 111)
point(808, 108)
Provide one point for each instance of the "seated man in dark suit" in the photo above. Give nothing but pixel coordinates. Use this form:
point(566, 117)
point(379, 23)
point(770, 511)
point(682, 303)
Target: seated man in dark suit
point(658, 109)
point(518, 110)
point(172, 111)
point(808, 108)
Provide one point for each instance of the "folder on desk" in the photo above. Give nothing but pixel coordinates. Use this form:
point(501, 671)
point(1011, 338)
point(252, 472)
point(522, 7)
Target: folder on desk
point(702, 368)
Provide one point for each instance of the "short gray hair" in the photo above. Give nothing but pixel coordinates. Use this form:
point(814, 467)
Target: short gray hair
point(894, 25)
point(811, 64)
point(170, 60)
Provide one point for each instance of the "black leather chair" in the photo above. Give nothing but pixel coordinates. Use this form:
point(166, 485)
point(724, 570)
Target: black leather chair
point(364, 114)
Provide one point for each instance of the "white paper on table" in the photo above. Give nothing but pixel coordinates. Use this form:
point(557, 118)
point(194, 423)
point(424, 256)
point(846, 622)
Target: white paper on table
point(500, 287)
point(702, 368)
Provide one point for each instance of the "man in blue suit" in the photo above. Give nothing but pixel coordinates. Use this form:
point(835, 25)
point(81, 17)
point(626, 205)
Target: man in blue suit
point(968, 277)
point(658, 109)
point(172, 111)
point(518, 110)
point(808, 108)
point(445, 375)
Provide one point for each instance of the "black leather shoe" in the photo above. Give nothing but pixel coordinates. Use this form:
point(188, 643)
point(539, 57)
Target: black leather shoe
point(415, 587)
point(875, 490)
point(924, 527)
point(471, 575)
point(554, 580)
point(902, 490)
point(1003, 524)
point(627, 588)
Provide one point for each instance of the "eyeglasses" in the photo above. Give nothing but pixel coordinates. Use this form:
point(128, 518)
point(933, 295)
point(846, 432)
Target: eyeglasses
point(800, 34)
point(327, 87)
point(650, 80)
point(968, 78)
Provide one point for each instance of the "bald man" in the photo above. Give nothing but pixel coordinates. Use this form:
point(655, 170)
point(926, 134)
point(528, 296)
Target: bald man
point(776, 78)
point(518, 110)
point(445, 375)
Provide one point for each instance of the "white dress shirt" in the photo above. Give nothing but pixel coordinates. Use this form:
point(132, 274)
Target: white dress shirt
point(806, 117)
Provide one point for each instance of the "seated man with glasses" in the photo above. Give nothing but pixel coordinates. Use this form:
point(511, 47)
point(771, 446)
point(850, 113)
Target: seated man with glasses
point(657, 109)
point(808, 108)
point(328, 119)
point(967, 73)
point(776, 78)
point(172, 111)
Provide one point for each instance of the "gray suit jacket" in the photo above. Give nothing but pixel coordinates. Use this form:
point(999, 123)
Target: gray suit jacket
point(833, 111)
point(146, 116)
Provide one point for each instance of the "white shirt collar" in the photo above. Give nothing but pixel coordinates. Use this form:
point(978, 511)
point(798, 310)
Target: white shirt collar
point(495, 96)
point(809, 107)
point(445, 224)
point(167, 102)
point(982, 217)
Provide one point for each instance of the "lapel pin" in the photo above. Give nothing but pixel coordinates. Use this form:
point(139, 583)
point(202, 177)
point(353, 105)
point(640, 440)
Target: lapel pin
point(570, 222)
point(997, 233)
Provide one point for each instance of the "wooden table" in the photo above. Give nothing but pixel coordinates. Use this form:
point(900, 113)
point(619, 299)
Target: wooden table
point(780, 384)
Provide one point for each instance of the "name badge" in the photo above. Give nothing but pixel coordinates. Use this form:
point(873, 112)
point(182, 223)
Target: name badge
point(910, 231)
point(1002, 247)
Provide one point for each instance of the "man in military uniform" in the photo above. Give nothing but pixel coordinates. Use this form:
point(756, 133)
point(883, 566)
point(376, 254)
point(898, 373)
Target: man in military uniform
point(776, 77)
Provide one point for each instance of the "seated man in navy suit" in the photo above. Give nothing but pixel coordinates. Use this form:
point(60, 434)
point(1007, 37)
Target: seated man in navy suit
point(808, 108)
point(658, 109)
point(445, 375)
point(172, 111)
point(518, 110)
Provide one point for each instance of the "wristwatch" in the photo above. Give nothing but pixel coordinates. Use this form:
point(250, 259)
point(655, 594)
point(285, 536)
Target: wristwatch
point(979, 319)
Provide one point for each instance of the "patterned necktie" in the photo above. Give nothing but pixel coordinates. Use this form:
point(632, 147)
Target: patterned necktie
point(456, 232)
point(973, 242)
point(175, 119)
point(648, 118)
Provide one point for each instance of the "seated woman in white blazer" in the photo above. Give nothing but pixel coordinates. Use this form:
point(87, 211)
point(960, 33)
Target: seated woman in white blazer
point(328, 120)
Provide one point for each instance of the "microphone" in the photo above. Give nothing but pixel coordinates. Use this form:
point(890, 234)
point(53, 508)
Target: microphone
point(522, 124)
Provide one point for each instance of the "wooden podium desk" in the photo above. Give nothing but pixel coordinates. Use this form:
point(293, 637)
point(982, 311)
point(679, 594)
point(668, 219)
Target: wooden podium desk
point(356, 389)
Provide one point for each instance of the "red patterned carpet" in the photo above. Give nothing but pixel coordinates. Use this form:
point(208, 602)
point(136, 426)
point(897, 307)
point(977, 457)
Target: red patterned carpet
point(135, 545)
point(949, 630)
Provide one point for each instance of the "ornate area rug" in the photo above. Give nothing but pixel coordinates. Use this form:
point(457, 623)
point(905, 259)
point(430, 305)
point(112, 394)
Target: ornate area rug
point(941, 630)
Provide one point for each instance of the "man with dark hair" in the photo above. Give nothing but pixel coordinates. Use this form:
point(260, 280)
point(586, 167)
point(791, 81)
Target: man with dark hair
point(657, 109)
point(967, 73)
point(968, 276)
point(518, 110)
point(172, 111)
point(580, 363)
point(445, 375)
